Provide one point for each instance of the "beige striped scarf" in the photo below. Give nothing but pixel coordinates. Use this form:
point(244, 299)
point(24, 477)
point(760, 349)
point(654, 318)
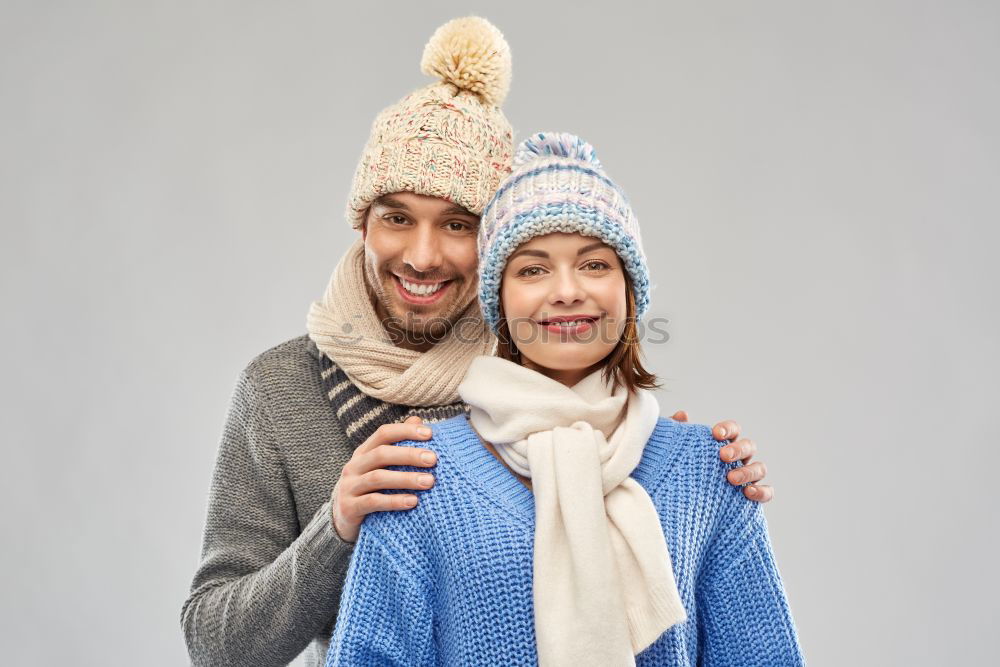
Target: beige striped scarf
point(346, 328)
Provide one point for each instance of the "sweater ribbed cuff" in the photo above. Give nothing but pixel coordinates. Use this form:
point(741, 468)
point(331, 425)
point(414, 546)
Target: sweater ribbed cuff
point(321, 541)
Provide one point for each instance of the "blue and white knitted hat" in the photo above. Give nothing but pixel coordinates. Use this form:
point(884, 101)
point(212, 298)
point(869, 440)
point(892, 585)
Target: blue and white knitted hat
point(557, 185)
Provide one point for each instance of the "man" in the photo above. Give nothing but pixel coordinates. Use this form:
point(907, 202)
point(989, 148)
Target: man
point(313, 422)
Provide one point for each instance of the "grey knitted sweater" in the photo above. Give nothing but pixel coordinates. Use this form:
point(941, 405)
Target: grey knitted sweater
point(272, 567)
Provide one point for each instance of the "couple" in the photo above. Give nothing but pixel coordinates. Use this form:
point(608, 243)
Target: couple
point(565, 521)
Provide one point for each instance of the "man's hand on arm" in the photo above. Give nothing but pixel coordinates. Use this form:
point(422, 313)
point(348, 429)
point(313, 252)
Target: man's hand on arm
point(739, 449)
point(356, 493)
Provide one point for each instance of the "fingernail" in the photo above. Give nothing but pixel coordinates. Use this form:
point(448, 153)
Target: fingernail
point(428, 457)
point(411, 502)
point(424, 431)
point(729, 453)
point(426, 480)
point(722, 431)
point(739, 477)
point(752, 490)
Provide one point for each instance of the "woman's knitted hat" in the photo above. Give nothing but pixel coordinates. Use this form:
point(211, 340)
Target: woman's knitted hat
point(448, 139)
point(557, 185)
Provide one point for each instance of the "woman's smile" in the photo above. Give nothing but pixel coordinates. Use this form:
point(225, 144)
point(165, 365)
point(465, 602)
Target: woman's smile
point(569, 325)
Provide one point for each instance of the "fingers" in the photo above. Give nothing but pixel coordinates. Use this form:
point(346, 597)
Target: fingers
point(355, 494)
point(680, 416)
point(378, 480)
point(744, 450)
point(391, 433)
point(759, 493)
point(384, 456)
point(741, 450)
point(754, 472)
point(351, 511)
point(726, 430)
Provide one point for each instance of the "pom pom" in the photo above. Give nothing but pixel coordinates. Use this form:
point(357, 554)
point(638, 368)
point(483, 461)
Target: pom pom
point(471, 54)
point(559, 144)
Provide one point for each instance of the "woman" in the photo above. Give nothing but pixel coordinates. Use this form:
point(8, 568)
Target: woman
point(570, 524)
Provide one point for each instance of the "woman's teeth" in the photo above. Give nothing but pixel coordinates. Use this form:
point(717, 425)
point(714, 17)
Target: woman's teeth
point(570, 324)
point(420, 290)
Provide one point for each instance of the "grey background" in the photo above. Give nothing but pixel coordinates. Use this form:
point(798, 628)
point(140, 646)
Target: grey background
point(817, 185)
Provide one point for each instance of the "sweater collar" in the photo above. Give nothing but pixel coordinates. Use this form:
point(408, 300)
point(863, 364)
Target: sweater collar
point(474, 462)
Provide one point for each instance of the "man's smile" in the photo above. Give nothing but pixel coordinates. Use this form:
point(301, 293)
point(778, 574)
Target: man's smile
point(421, 292)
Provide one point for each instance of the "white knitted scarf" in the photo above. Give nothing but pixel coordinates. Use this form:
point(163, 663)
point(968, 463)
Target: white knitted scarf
point(604, 587)
point(345, 326)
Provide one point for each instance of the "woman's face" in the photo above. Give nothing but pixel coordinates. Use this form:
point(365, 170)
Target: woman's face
point(564, 299)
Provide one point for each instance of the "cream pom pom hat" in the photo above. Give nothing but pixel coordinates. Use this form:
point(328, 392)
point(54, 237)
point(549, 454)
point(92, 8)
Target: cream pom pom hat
point(448, 139)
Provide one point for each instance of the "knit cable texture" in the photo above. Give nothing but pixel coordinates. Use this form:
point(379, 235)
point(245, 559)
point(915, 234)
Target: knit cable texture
point(449, 139)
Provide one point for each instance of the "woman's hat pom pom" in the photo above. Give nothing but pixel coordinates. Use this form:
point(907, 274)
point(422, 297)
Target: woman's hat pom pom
point(555, 144)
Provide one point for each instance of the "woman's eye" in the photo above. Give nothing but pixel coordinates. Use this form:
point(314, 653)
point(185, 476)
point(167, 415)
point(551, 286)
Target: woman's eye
point(595, 266)
point(530, 271)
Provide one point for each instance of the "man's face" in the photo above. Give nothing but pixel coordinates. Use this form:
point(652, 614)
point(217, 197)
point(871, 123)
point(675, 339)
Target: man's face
point(420, 261)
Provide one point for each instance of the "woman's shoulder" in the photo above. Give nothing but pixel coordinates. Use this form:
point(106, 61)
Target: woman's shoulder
point(684, 454)
point(682, 463)
point(672, 440)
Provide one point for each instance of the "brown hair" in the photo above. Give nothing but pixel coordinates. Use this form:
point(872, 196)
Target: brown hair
point(622, 367)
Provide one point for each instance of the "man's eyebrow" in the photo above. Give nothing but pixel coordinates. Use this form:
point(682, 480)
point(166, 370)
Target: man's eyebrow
point(545, 255)
point(391, 202)
point(455, 209)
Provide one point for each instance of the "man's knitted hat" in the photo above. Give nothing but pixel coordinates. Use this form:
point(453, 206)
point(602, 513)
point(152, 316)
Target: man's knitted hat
point(557, 185)
point(448, 139)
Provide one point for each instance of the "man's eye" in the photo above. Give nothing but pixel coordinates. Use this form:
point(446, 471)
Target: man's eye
point(396, 219)
point(458, 226)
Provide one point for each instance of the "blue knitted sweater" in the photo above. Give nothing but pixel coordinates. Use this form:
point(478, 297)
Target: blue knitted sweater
point(450, 582)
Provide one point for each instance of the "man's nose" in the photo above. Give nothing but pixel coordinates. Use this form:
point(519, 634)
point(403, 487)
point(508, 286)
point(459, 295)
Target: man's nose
point(423, 250)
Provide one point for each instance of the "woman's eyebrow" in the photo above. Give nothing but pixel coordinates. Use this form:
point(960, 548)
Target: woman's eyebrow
point(545, 255)
point(592, 246)
point(529, 251)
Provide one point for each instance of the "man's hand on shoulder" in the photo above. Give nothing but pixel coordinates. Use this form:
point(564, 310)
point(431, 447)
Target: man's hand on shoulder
point(739, 449)
point(356, 493)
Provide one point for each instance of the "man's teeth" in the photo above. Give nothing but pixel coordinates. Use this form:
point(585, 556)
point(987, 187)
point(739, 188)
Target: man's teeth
point(420, 290)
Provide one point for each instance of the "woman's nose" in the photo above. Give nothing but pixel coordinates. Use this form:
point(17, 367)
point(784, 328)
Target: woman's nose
point(567, 289)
